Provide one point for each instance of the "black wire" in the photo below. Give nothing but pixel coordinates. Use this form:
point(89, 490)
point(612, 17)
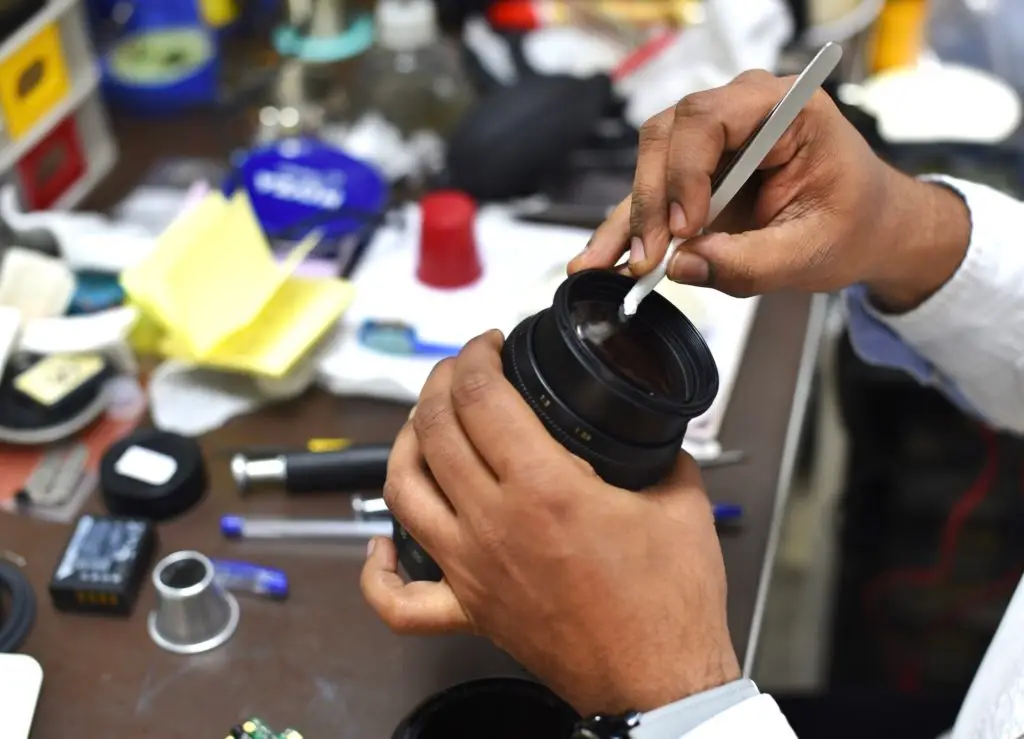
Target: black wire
point(20, 607)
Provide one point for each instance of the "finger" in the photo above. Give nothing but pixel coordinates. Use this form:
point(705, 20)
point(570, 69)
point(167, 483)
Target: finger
point(414, 498)
point(610, 241)
point(456, 466)
point(408, 608)
point(648, 217)
point(498, 422)
point(749, 263)
point(710, 123)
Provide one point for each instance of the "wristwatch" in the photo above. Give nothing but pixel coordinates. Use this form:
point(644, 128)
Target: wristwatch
point(668, 722)
point(603, 726)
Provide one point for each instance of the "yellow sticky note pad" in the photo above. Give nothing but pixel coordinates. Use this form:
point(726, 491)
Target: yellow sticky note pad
point(301, 312)
point(212, 293)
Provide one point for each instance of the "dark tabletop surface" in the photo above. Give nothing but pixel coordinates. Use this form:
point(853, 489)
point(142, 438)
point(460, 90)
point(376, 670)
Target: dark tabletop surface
point(321, 662)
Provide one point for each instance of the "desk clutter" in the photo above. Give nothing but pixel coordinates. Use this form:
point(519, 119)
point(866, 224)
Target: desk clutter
point(350, 244)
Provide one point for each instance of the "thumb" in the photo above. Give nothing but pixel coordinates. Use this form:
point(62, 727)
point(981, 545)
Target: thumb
point(744, 264)
point(681, 494)
point(408, 608)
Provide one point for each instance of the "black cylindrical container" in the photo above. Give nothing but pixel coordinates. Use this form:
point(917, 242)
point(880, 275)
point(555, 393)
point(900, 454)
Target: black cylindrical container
point(496, 708)
point(618, 394)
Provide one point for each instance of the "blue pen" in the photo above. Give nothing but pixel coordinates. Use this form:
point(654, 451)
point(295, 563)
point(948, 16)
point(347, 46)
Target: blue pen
point(250, 578)
point(727, 512)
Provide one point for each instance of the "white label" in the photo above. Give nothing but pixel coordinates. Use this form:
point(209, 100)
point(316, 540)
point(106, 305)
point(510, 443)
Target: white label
point(145, 465)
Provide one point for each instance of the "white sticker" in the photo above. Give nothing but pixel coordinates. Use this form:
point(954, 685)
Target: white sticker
point(145, 465)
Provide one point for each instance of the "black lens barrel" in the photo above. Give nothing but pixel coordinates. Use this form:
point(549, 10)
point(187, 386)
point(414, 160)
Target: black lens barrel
point(628, 433)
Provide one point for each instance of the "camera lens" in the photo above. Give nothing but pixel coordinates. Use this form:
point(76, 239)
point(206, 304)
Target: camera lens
point(630, 349)
point(618, 393)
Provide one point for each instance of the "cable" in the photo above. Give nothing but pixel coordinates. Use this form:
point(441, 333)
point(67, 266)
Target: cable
point(20, 607)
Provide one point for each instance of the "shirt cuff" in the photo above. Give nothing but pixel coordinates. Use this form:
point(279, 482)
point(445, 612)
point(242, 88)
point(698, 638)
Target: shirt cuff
point(877, 344)
point(680, 718)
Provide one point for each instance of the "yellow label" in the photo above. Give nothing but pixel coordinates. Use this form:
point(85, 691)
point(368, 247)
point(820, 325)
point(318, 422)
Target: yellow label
point(57, 376)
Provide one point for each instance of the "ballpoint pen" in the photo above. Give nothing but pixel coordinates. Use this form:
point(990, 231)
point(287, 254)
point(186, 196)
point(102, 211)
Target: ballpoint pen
point(746, 161)
point(244, 527)
point(723, 512)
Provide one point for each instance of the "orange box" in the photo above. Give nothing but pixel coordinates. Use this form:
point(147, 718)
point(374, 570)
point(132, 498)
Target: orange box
point(33, 80)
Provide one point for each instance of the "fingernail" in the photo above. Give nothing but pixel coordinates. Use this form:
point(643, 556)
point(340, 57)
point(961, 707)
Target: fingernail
point(412, 412)
point(585, 249)
point(676, 218)
point(689, 268)
point(636, 250)
point(369, 547)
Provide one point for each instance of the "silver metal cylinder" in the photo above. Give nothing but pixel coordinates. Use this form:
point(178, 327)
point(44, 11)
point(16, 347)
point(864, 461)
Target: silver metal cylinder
point(193, 613)
point(248, 472)
point(368, 506)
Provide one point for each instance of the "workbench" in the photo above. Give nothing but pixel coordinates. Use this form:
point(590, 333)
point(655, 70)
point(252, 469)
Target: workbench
point(321, 662)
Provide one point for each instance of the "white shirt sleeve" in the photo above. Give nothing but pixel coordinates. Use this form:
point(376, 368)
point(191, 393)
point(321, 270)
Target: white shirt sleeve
point(758, 717)
point(972, 329)
point(736, 709)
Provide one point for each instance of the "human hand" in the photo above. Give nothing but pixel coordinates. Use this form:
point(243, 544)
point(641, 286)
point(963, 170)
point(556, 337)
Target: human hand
point(616, 600)
point(826, 212)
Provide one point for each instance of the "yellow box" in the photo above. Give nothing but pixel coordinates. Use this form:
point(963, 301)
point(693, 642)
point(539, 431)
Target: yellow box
point(32, 81)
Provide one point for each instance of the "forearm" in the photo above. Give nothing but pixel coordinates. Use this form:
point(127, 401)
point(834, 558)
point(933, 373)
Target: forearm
point(965, 324)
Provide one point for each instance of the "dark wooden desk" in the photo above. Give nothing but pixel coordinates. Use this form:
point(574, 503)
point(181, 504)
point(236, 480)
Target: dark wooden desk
point(321, 662)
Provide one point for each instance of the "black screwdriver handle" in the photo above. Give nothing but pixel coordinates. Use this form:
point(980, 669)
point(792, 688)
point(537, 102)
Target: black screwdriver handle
point(357, 468)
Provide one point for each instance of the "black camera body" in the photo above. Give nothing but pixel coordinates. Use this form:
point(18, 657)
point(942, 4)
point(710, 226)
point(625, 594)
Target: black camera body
point(618, 393)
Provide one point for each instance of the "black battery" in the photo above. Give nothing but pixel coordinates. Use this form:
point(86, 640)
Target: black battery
point(103, 565)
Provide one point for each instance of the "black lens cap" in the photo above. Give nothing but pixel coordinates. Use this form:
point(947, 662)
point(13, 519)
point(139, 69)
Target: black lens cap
point(152, 474)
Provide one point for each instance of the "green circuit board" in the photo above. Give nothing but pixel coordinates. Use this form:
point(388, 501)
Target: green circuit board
point(253, 728)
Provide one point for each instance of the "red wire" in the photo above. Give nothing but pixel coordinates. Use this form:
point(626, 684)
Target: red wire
point(909, 677)
point(643, 54)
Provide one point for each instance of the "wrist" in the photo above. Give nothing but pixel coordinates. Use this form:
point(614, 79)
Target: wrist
point(925, 235)
point(655, 686)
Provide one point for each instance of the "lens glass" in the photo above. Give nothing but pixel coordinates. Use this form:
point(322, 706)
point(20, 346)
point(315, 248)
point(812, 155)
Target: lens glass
point(629, 348)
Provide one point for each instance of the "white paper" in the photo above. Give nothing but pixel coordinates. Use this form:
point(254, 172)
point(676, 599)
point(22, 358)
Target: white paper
point(191, 401)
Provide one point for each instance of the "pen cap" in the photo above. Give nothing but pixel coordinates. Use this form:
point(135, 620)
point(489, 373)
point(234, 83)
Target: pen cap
point(448, 255)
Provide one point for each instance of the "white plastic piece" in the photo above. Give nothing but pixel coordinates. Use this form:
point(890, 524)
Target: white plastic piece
point(10, 327)
point(21, 680)
point(938, 102)
point(569, 50)
point(146, 465)
point(39, 286)
point(406, 25)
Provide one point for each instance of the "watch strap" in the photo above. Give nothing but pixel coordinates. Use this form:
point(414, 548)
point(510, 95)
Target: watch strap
point(602, 726)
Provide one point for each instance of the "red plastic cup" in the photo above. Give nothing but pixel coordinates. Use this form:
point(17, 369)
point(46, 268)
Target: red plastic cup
point(448, 257)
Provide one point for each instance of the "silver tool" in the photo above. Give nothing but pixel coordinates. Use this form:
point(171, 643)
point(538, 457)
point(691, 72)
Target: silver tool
point(58, 475)
point(193, 613)
point(746, 161)
point(368, 506)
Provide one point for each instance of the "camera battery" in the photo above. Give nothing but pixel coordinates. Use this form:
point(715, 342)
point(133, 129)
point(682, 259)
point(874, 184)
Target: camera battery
point(103, 565)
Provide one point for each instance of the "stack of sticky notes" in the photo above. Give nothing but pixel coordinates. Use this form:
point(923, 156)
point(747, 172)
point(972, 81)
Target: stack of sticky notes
point(212, 293)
